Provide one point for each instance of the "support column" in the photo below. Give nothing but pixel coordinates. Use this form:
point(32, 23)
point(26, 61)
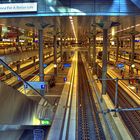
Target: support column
point(108, 51)
point(17, 42)
point(34, 61)
point(55, 55)
point(89, 54)
point(18, 67)
point(61, 53)
point(133, 49)
point(41, 68)
point(34, 47)
point(122, 44)
point(117, 49)
point(104, 60)
point(94, 54)
point(2, 70)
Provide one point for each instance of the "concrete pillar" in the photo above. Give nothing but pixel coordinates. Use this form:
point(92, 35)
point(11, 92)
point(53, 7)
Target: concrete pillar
point(55, 55)
point(104, 60)
point(122, 44)
point(89, 54)
point(17, 42)
point(1, 32)
point(61, 53)
point(2, 70)
point(94, 54)
point(34, 47)
point(108, 55)
point(132, 50)
point(41, 68)
point(34, 61)
point(117, 49)
point(18, 67)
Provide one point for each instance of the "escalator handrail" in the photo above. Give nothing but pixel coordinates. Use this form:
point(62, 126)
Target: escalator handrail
point(17, 75)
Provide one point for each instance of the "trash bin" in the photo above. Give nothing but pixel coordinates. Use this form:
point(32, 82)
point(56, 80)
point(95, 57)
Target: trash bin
point(38, 134)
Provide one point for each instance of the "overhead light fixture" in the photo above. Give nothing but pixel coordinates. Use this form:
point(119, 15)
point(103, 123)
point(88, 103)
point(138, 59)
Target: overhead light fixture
point(44, 25)
point(70, 17)
point(51, 26)
point(30, 24)
point(73, 28)
point(133, 65)
point(113, 31)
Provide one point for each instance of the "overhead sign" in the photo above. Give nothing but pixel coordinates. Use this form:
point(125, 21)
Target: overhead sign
point(18, 7)
point(137, 41)
point(120, 65)
point(67, 65)
point(35, 85)
point(46, 122)
point(44, 65)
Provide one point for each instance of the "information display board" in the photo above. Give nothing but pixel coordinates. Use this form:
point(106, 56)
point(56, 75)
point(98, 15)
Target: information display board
point(36, 85)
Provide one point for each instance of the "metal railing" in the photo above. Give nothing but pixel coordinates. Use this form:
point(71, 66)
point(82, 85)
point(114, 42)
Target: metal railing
point(18, 76)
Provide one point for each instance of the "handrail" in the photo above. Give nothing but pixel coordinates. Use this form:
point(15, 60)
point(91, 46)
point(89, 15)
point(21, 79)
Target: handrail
point(17, 75)
point(66, 119)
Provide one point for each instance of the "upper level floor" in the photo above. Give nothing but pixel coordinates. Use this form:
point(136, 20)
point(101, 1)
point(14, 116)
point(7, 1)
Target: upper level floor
point(68, 7)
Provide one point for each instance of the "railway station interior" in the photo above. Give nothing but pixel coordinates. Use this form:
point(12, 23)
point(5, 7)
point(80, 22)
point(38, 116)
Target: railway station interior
point(69, 70)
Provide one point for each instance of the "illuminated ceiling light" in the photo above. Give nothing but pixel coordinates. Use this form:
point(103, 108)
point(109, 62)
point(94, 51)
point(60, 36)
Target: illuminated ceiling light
point(137, 25)
point(71, 20)
point(112, 43)
point(113, 31)
point(55, 66)
point(128, 28)
point(133, 65)
point(72, 24)
point(70, 17)
point(52, 9)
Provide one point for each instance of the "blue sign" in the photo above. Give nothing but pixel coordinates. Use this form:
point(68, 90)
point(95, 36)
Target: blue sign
point(67, 65)
point(137, 41)
point(42, 86)
point(65, 79)
point(45, 65)
point(35, 85)
point(19, 79)
point(120, 65)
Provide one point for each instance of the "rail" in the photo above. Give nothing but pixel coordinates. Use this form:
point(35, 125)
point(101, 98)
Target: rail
point(112, 135)
point(128, 108)
point(89, 123)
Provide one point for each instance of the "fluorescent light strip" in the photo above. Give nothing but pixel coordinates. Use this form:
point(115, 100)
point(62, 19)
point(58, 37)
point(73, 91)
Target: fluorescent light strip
point(127, 28)
point(73, 28)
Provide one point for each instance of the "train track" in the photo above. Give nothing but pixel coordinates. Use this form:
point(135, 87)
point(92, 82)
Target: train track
point(130, 118)
point(89, 125)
